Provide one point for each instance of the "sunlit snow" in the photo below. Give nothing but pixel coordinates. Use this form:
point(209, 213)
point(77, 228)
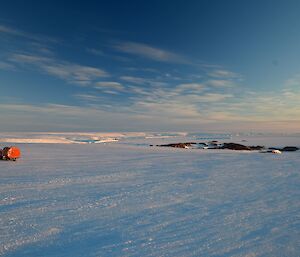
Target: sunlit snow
point(128, 199)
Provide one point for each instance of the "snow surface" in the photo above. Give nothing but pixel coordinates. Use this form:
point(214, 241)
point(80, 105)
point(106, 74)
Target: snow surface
point(60, 138)
point(129, 199)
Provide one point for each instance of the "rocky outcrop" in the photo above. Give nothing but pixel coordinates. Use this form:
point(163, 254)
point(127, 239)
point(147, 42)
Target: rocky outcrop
point(234, 146)
point(257, 147)
point(179, 145)
point(230, 146)
point(286, 149)
point(210, 145)
point(289, 149)
point(203, 144)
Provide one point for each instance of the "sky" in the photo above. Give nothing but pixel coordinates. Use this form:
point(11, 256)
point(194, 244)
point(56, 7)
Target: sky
point(197, 65)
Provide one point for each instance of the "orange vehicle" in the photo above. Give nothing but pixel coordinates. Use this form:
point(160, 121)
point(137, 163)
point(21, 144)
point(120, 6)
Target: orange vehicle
point(10, 153)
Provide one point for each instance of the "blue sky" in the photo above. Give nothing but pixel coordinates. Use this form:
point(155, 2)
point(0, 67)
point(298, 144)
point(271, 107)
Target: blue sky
point(150, 65)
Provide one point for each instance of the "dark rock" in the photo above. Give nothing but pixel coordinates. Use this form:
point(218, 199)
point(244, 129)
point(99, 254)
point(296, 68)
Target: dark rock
point(257, 147)
point(178, 145)
point(234, 146)
point(274, 148)
point(285, 149)
point(231, 146)
point(289, 149)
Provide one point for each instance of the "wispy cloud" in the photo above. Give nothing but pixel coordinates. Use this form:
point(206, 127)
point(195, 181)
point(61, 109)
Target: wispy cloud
point(150, 52)
point(57, 117)
point(109, 85)
point(293, 83)
point(75, 73)
point(167, 107)
point(6, 66)
point(95, 51)
point(220, 104)
point(134, 80)
point(87, 97)
point(10, 31)
point(155, 82)
point(184, 101)
point(220, 83)
point(29, 58)
point(211, 97)
point(218, 73)
point(70, 72)
point(134, 69)
point(191, 87)
point(158, 98)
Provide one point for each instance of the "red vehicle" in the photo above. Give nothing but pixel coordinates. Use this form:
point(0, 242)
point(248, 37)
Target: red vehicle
point(10, 153)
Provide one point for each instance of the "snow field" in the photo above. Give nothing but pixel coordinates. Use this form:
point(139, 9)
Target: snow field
point(119, 200)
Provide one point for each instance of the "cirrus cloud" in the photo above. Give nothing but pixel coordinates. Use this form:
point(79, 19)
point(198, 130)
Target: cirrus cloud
point(150, 52)
point(69, 72)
